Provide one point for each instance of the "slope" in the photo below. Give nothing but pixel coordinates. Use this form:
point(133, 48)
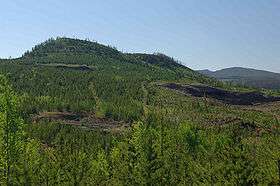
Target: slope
point(164, 137)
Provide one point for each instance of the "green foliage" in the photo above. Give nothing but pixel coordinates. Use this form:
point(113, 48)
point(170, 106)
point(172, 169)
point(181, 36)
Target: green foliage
point(11, 132)
point(99, 171)
point(172, 139)
point(66, 45)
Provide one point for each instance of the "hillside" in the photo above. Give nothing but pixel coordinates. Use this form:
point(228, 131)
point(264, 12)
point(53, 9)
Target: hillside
point(84, 52)
point(247, 77)
point(69, 46)
point(67, 70)
point(76, 112)
point(62, 47)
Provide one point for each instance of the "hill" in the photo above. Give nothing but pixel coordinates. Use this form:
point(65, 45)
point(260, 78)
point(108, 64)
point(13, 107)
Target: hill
point(67, 70)
point(76, 112)
point(246, 76)
point(85, 52)
point(69, 45)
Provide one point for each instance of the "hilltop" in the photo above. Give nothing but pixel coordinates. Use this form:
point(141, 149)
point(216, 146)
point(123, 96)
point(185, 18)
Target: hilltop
point(70, 45)
point(62, 47)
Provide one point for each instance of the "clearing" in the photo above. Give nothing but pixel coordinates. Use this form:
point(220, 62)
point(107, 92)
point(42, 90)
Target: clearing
point(85, 120)
point(69, 66)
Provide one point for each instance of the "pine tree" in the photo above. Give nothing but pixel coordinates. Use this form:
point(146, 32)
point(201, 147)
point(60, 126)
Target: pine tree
point(11, 135)
point(99, 171)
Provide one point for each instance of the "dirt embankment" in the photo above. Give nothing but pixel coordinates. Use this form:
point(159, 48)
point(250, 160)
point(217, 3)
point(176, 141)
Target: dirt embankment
point(85, 120)
point(228, 97)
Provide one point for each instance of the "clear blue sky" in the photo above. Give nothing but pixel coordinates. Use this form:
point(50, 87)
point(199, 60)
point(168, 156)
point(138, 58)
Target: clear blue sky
point(202, 34)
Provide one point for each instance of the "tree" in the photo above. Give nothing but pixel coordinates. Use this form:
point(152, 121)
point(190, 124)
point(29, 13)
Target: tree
point(11, 135)
point(99, 171)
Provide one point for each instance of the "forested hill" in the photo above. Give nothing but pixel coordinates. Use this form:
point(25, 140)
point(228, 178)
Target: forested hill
point(93, 55)
point(66, 71)
point(68, 45)
point(75, 112)
point(76, 51)
point(158, 59)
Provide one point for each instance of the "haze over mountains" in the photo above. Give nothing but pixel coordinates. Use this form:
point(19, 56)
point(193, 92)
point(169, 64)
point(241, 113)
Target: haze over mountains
point(246, 76)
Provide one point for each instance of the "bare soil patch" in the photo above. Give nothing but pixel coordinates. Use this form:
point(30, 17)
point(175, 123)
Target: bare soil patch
point(85, 120)
point(69, 66)
point(77, 67)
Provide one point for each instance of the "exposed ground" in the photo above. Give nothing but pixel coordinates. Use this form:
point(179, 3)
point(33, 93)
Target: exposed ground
point(69, 66)
point(228, 97)
point(85, 120)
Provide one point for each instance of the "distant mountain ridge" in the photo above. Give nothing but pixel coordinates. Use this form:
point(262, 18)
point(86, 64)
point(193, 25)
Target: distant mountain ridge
point(246, 76)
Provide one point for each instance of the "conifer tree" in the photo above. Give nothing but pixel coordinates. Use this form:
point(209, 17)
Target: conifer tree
point(11, 135)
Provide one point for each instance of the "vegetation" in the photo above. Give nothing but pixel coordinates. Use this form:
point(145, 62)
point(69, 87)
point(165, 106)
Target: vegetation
point(172, 139)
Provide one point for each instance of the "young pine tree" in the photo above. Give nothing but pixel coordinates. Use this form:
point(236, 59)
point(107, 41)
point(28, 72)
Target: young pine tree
point(11, 136)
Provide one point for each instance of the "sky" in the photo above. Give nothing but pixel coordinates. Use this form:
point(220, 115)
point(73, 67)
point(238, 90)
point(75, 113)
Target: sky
point(202, 34)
